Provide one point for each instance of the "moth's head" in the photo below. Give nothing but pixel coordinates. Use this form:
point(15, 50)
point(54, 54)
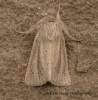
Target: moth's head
point(52, 14)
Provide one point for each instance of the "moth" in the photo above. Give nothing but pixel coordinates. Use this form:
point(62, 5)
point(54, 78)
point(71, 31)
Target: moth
point(48, 59)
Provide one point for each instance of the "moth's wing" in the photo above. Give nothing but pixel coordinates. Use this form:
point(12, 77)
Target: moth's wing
point(60, 73)
point(35, 75)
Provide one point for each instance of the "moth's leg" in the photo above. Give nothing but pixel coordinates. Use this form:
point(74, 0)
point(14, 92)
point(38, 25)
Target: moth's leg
point(29, 31)
point(37, 25)
point(64, 28)
point(67, 33)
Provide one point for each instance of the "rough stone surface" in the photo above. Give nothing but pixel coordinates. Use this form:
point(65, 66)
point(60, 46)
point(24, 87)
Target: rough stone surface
point(81, 18)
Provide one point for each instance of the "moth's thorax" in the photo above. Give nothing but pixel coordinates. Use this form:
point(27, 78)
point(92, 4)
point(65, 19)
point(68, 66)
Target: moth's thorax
point(50, 31)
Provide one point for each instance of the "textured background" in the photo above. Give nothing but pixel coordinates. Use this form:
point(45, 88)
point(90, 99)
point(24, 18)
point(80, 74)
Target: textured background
point(81, 18)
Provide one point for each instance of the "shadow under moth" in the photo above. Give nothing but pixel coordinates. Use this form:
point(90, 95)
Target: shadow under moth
point(48, 59)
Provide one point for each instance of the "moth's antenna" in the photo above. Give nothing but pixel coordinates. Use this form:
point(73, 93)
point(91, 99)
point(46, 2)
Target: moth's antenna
point(58, 15)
